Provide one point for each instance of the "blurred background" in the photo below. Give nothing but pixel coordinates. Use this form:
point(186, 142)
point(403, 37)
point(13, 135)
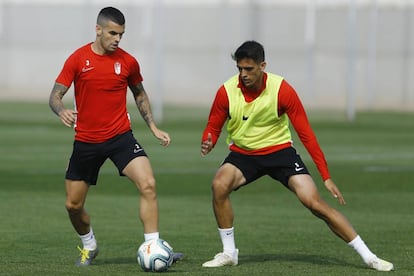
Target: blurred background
point(343, 55)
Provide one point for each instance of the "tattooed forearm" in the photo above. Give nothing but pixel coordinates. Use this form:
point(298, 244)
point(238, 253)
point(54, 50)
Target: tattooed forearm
point(55, 98)
point(143, 104)
point(145, 109)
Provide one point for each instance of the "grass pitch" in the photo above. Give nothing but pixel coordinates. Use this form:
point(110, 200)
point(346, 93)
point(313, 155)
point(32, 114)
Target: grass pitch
point(371, 160)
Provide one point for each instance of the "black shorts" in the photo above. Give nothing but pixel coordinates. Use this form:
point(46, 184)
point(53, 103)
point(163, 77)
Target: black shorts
point(87, 158)
point(280, 165)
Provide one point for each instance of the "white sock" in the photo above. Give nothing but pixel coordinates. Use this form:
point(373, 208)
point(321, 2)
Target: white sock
point(88, 240)
point(359, 245)
point(227, 238)
point(151, 236)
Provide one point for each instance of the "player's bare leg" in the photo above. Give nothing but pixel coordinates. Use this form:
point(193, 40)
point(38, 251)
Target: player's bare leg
point(306, 190)
point(227, 178)
point(140, 172)
point(76, 192)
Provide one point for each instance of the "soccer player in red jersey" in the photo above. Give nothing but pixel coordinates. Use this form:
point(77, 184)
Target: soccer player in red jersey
point(101, 73)
point(257, 107)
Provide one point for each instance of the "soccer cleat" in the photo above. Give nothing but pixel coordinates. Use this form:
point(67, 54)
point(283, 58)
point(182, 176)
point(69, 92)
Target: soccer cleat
point(222, 259)
point(177, 256)
point(381, 265)
point(86, 256)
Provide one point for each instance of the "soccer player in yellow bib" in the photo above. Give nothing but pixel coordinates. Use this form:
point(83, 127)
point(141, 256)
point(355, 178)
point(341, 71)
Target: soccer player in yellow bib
point(258, 106)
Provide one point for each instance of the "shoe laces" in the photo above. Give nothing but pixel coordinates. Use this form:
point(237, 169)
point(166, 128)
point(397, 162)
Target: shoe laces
point(84, 254)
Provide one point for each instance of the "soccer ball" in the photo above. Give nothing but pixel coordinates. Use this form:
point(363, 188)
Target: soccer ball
point(155, 255)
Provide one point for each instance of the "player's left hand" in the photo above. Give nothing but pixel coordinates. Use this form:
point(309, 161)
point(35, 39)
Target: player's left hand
point(330, 185)
point(163, 137)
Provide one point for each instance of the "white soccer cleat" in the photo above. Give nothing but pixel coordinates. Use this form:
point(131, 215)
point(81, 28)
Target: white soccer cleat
point(381, 265)
point(222, 259)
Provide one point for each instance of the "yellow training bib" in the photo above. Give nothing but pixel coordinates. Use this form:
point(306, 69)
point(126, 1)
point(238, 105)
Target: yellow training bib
point(256, 125)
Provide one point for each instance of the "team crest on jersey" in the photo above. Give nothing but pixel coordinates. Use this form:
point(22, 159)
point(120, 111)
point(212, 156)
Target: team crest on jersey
point(117, 67)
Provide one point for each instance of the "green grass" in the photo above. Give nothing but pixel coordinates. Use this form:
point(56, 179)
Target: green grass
point(371, 161)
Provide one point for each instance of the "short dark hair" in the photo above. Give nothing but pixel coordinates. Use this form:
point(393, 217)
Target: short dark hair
point(250, 49)
point(111, 14)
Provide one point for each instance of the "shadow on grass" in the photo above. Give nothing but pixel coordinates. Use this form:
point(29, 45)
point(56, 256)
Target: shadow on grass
point(299, 258)
point(115, 261)
point(110, 263)
point(249, 259)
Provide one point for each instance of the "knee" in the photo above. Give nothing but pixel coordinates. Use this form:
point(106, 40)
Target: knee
point(73, 207)
point(147, 187)
point(220, 188)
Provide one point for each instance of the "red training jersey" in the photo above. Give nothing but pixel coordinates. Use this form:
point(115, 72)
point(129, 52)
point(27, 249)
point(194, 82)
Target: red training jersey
point(289, 103)
point(100, 83)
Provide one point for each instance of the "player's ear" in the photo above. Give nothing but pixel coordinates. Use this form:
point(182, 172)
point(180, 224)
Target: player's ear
point(263, 65)
point(98, 30)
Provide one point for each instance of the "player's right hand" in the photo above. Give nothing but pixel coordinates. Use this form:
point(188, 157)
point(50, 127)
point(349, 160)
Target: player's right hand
point(206, 145)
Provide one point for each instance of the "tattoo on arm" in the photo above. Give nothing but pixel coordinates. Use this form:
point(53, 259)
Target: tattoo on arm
point(55, 99)
point(142, 102)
